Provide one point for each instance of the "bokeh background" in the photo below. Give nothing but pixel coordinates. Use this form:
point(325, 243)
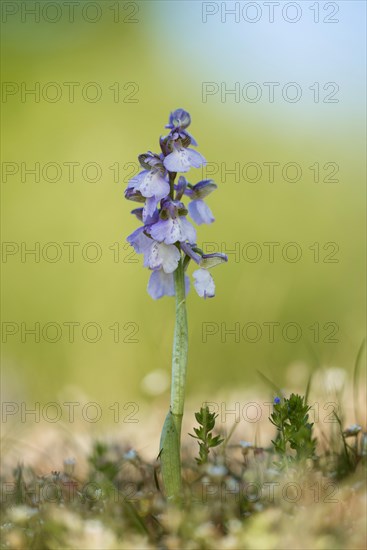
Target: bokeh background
point(158, 54)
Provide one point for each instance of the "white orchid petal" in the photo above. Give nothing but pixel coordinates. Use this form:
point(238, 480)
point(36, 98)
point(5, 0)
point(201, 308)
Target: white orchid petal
point(204, 283)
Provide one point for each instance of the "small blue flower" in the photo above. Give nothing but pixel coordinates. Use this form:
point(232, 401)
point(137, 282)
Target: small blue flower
point(277, 400)
point(179, 119)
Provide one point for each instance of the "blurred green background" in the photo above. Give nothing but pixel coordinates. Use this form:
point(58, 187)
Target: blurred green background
point(167, 52)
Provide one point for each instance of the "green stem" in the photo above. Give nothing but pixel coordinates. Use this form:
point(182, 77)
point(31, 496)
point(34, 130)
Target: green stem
point(180, 348)
point(171, 434)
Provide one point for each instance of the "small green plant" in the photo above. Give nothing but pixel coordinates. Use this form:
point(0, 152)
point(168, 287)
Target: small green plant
point(205, 438)
point(291, 419)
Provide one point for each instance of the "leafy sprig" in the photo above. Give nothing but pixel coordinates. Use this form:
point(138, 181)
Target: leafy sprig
point(206, 440)
point(290, 417)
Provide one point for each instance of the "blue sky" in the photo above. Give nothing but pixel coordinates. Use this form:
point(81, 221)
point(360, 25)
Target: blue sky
point(304, 52)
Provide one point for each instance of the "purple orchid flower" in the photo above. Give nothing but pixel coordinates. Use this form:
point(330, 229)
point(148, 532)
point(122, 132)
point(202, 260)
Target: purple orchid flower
point(179, 120)
point(152, 183)
point(198, 209)
point(173, 227)
point(156, 255)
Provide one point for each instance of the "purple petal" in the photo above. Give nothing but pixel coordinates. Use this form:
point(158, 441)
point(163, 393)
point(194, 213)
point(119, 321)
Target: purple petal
point(177, 161)
point(204, 283)
point(154, 185)
point(189, 232)
point(161, 284)
point(181, 160)
point(134, 183)
point(138, 212)
point(151, 219)
point(167, 231)
point(186, 248)
point(200, 212)
point(150, 208)
point(163, 256)
point(193, 140)
point(139, 241)
point(180, 187)
point(196, 159)
point(173, 230)
point(202, 189)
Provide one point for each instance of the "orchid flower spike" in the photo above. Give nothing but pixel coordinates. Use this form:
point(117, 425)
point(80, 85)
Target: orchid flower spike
point(167, 235)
